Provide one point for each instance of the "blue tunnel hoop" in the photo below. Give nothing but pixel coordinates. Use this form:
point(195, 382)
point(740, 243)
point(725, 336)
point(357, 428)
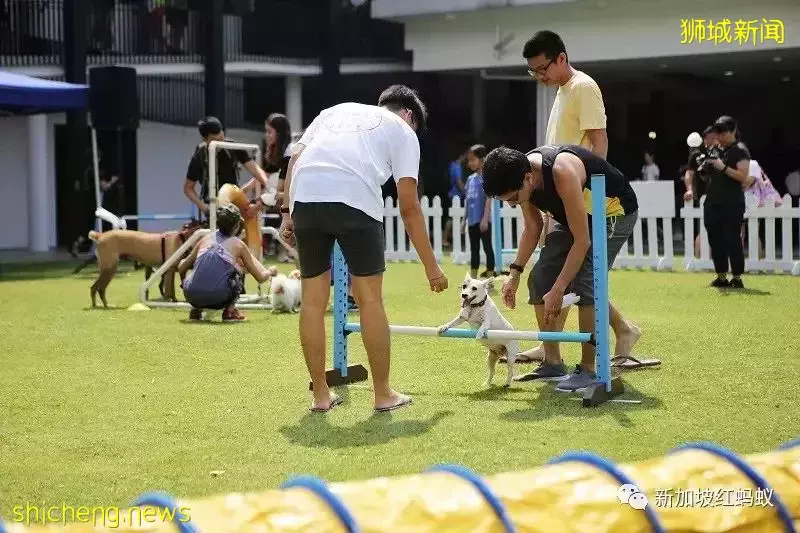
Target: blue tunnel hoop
point(166, 501)
point(795, 443)
point(611, 469)
point(747, 470)
point(318, 487)
point(490, 497)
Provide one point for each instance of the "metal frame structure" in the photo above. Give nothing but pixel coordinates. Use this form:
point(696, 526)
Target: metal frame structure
point(246, 301)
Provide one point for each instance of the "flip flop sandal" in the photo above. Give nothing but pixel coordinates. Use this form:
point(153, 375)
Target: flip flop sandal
point(406, 402)
point(628, 362)
point(337, 400)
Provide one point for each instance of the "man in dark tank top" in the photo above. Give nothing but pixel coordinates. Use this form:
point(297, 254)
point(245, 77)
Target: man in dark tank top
point(556, 179)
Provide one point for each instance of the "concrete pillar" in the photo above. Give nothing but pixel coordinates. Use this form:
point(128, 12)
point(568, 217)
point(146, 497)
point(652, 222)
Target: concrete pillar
point(478, 107)
point(294, 102)
point(545, 96)
point(214, 59)
point(38, 193)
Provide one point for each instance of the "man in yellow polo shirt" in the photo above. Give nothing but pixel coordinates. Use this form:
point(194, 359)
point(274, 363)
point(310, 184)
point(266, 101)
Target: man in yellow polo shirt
point(578, 116)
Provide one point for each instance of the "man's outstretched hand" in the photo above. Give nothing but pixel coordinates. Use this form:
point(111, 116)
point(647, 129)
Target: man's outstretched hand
point(437, 279)
point(287, 231)
point(510, 291)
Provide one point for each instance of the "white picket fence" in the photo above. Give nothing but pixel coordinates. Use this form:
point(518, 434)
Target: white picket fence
point(398, 245)
point(760, 257)
point(656, 211)
point(651, 245)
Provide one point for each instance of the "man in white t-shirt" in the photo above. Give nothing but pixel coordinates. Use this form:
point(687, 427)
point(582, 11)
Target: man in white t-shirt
point(334, 181)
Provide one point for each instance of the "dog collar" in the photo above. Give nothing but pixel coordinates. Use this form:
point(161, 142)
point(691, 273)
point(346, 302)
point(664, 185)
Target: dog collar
point(479, 304)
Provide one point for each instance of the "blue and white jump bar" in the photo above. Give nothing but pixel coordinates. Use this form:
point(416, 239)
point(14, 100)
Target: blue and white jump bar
point(492, 334)
point(600, 274)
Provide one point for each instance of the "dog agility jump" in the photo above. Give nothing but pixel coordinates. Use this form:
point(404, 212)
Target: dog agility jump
point(606, 386)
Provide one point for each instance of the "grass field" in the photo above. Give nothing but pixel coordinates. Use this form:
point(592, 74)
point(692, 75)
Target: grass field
point(100, 406)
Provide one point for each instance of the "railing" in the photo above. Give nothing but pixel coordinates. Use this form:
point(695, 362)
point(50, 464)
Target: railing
point(361, 36)
point(767, 227)
point(118, 32)
point(173, 31)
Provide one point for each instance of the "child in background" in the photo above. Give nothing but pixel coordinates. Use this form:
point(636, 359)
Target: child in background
point(479, 211)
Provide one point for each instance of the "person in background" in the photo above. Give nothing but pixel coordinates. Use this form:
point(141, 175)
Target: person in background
point(650, 171)
point(277, 151)
point(695, 181)
point(109, 199)
point(723, 209)
point(478, 216)
point(456, 180)
point(228, 161)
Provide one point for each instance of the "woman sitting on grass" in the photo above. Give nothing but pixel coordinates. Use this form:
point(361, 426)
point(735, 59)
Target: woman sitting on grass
point(220, 260)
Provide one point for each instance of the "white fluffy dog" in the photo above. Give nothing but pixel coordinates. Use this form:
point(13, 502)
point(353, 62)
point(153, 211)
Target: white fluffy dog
point(479, 311)
point(285, 293)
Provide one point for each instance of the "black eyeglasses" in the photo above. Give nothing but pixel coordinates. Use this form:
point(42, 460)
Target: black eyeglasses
point(540, 71)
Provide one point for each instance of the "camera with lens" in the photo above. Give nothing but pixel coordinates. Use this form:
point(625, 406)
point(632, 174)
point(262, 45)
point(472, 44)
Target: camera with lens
point(703, 155)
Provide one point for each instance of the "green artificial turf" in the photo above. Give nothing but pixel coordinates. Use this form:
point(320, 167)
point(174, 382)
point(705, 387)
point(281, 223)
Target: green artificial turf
point(99, 406)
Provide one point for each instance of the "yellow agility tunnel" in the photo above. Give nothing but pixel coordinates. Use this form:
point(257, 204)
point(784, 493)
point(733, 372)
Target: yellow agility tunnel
point(694, 488)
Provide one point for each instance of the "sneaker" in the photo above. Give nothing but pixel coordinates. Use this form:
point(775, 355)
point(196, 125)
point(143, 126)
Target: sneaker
point(720, 283)
point(352, 306)
point(579, 380)
point(233, 315)
point(545, 372)
point(487, 274)
point(736, 283)
point(196, 314)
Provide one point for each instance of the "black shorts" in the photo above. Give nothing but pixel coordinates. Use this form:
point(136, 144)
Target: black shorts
point(318, 225)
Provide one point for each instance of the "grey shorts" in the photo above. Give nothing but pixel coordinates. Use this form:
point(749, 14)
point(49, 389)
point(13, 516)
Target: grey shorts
point(554, 253)
point(317, 226)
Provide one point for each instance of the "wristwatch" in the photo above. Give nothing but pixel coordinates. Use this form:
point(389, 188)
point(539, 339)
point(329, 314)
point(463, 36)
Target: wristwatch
point(514, 266)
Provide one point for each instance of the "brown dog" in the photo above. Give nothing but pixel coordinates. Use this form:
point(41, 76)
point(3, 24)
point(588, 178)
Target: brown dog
point(146, 248)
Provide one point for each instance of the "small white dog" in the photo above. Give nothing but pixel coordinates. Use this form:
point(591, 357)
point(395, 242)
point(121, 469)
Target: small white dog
point(285, 293)
point(479, 311)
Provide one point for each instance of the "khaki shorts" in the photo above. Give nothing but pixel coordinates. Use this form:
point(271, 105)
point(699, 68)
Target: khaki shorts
point(554, 254)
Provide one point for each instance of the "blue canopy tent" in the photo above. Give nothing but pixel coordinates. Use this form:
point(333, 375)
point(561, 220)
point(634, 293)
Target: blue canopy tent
point(27, 96)
point(35, 97)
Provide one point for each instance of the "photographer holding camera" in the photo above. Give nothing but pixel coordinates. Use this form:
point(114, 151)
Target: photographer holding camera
point(725, 169)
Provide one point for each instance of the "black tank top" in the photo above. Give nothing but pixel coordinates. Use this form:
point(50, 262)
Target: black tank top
point(620, 197)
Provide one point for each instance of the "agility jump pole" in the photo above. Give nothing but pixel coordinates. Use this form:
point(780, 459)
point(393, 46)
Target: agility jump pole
point(605, 386)
point(246, 301)
point(497, 235)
